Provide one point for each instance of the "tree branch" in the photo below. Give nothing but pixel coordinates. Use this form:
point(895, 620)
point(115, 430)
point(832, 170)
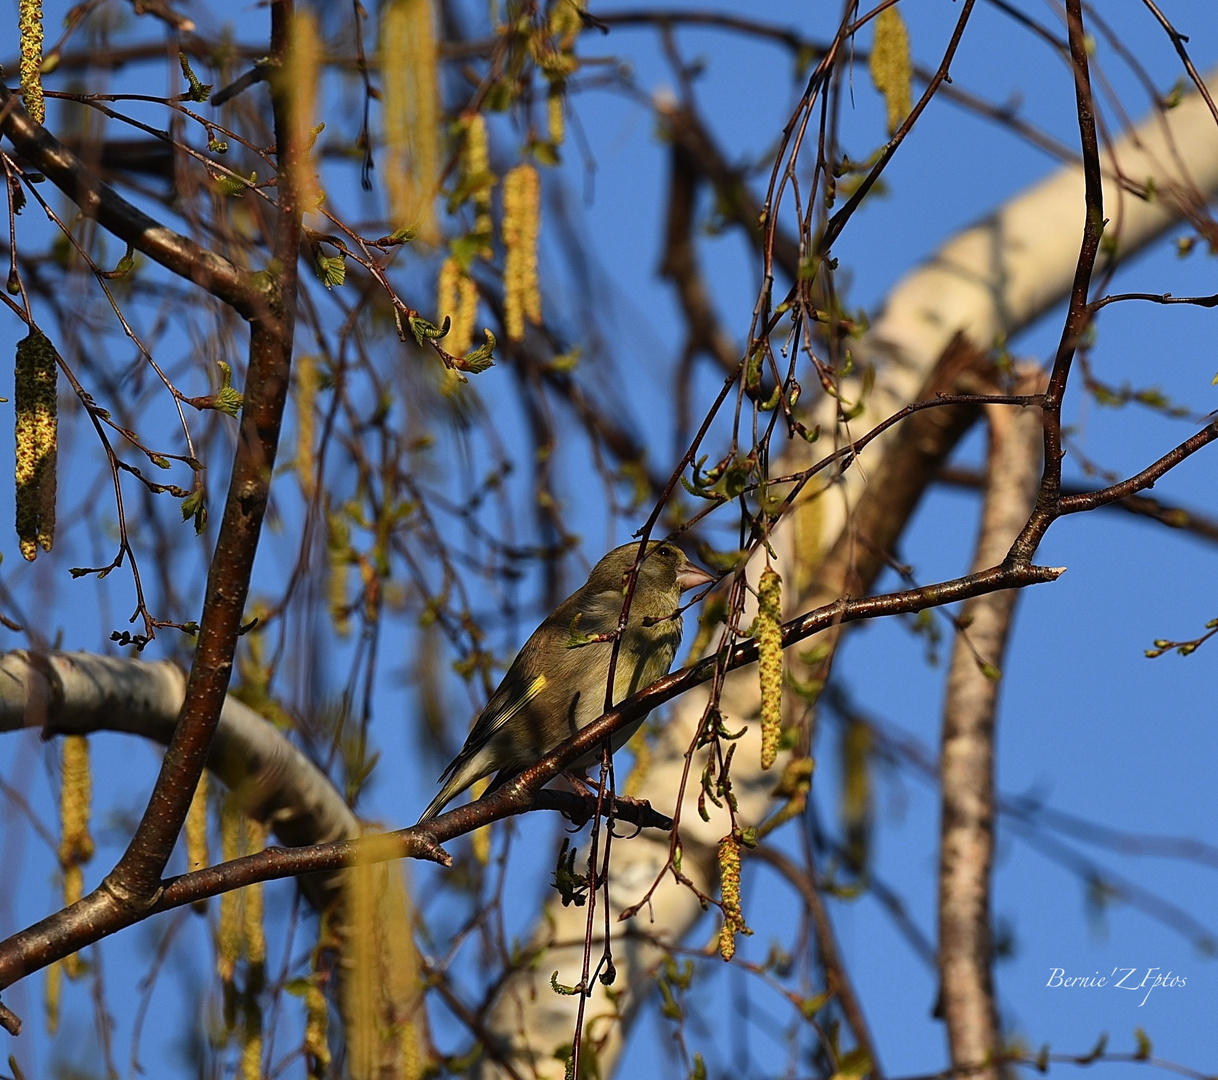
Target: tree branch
point(96, 199)
point(966, 852)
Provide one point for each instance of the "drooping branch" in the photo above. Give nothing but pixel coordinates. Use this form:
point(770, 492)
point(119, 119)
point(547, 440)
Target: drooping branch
point(96, 199)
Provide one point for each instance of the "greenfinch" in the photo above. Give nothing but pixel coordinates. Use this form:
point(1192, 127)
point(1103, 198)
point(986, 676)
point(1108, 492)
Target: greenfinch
point(556, 685)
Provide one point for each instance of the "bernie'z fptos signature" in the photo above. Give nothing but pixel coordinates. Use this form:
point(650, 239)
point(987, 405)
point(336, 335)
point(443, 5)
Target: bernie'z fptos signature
point(1122, 978)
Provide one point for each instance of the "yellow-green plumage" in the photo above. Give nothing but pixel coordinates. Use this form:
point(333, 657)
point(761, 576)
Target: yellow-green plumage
point(553, 688)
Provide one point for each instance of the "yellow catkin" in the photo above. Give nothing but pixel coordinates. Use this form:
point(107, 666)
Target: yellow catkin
point(554, 114)
point(255, 932)
point(480, 838)
point(565, 24)
point(251, 1044)
point(890, 67)
point(361, 977)
point(37, 436)
point(457, 297)
point(338, 548)
point(381, 986)
point(75, 845)
point(767, 629)
point(54, 987)
point(317, 1023)
point(729, 877)
point(793, 786)
point(477, 178)
point(400, 978)
point(300, 77)
point(75, 801)
point(641, 749)
point(196, 828)
point(411, 109)
point(521, 224)
point(305, 370)
point(855, 797)
point(29, 23)
point(228, 934)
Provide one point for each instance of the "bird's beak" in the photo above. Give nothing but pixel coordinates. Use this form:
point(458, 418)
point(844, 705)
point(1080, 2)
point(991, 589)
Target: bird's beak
point(690, 576)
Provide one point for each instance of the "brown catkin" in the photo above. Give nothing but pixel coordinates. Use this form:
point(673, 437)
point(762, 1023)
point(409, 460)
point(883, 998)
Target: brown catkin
point(729, 877)
point(37, 433)
point(767, 629)
point(521, 225)
point(29, 24)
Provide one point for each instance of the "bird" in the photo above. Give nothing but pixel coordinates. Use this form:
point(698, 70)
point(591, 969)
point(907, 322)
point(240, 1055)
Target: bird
point(556, 685)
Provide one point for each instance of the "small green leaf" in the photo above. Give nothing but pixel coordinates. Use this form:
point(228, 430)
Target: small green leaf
point(195, 505)
point(425, 331)
point(1096, 1051)
point(1143, 1039)
point(226, 399)
point(481, 358)
point(233, 186)
point(199, 91)
point(331, 269)
point(561, 988)
point(546, 153)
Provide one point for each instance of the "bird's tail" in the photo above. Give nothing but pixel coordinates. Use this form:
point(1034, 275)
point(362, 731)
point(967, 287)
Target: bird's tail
point(448, 792)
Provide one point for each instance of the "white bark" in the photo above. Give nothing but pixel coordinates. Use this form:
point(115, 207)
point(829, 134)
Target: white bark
point(79, 693)
point(966, 764)
point(989, 282)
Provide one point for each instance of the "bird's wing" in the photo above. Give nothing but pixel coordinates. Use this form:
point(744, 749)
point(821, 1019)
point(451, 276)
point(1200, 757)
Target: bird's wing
point(499, 710)
point(548, 650)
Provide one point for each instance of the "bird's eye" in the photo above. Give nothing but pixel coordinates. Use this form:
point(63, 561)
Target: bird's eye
point(668, 552)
